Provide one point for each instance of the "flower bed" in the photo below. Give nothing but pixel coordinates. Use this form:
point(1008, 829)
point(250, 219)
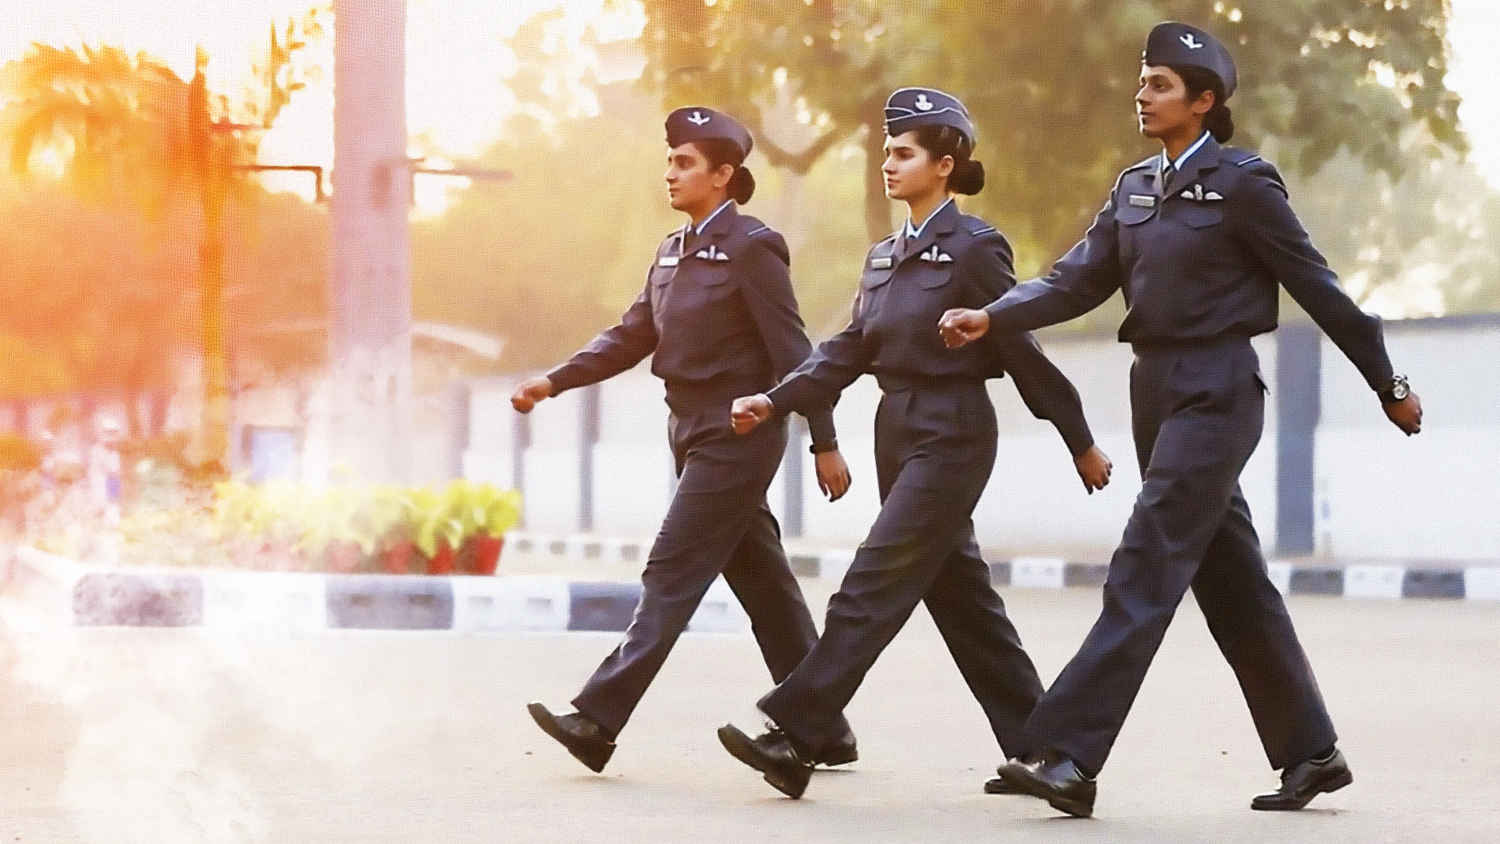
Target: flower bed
point(458, 529)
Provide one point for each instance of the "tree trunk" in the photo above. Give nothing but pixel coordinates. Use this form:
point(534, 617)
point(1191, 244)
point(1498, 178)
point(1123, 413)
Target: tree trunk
point(215, 419)
point(877, 206)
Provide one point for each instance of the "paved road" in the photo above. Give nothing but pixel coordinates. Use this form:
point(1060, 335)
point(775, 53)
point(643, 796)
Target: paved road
point(161, 736)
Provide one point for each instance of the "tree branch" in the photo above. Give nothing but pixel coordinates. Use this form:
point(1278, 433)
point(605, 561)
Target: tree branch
point(800, 161)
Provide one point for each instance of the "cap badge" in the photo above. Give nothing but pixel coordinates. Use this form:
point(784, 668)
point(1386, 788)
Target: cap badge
point(697, 118)
point(1191, 42)
point(923, 103)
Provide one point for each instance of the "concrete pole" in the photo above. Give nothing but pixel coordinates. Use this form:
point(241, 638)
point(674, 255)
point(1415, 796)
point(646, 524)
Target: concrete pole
point(369, 335)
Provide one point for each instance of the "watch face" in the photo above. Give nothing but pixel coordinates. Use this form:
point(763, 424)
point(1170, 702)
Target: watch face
point(1399, 390)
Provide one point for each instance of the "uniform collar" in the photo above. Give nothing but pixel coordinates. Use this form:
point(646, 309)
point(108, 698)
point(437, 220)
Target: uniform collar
point(914, 232)
point(1203, 155)
point(1187, 153)
point(725, 211)
point(943, 220)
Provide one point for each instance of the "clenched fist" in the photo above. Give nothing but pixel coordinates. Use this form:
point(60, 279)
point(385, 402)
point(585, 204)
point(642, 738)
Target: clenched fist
point(962, 326)
point(1406, 414)
point(749, 411)
point(1093, 469)
point(529, 392)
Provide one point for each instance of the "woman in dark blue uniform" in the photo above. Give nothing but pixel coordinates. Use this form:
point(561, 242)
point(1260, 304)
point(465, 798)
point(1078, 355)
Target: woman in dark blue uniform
point(719, 314)
point(1197, 239)
point(934, 447)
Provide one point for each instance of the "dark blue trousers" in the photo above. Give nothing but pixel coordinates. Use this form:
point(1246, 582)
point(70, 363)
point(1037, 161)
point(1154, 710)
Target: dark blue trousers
point(934, 449)
point(1197, 413)
point(718, 523)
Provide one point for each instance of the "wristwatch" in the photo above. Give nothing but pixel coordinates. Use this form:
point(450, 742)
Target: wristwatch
point(1399, 389)
point(819, 448)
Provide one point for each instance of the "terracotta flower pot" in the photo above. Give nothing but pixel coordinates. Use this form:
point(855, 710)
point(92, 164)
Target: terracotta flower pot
point(442, 561)
point(398, 558)
point(343, 556)
point(481, 554)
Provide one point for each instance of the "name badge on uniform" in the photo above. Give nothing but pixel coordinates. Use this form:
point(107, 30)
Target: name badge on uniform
point(880, 263)
point(1143, 200)
point(667, 261)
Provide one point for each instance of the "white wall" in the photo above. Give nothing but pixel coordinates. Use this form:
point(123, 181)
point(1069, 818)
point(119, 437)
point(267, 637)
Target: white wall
point(1435, 495)
point(1377, 494)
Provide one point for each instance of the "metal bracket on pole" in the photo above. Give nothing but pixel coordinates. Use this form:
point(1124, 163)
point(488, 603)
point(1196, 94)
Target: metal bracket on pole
point(385, 172)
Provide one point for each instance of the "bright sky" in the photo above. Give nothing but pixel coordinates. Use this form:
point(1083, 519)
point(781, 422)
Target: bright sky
point(456, 64)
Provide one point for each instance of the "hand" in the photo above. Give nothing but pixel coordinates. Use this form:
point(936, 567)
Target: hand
point(1406, 414)
point(749, 411)
point(833, 474)
point(529, 392)
point(1093, 469)
point(962, 326)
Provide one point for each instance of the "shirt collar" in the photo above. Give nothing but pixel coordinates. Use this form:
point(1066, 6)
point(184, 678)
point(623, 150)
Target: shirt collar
point(710, 218)
point(916, 232)
point(1181, 159)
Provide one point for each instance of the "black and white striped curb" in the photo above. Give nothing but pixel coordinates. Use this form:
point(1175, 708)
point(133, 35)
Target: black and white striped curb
point(88, 596)
point(1356, 580)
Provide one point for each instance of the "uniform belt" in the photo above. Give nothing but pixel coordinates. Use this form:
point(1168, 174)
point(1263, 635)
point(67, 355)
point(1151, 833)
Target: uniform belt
point(891, 382)
point(1181, 344)
point(720, 391)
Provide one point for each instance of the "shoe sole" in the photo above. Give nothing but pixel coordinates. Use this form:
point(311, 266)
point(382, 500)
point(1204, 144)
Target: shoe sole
point(739, 746)
point(1031, 788)
point(1343, 778)
point(851, 756)
point(543, 719)
point(1000, 786)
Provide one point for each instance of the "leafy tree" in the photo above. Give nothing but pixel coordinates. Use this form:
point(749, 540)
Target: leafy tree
point(1050, 83)
point(130, 130)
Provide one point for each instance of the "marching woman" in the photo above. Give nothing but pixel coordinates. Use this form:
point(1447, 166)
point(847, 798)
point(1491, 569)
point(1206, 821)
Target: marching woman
point(935, 439)
point(719, 314)
point(1197, 239)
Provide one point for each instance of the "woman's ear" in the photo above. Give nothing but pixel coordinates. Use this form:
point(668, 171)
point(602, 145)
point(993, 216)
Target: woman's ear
point(945, 166)
point(723, 174)
point(1205, 103)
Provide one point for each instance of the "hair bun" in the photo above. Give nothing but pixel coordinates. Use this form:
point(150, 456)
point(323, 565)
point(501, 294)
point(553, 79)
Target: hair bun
point(967, 178)
point(741, 185)
point(1219, 123)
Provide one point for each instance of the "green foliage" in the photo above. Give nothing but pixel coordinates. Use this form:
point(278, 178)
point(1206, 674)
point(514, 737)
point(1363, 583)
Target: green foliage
point(1051, 82)
point(374, 518)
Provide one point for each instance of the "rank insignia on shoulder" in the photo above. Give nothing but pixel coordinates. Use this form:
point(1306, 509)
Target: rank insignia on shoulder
point(1142, 200)
point(667, 261)
point(881, 263)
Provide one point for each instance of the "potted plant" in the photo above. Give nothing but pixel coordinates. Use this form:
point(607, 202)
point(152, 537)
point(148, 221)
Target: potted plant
point(492, 512)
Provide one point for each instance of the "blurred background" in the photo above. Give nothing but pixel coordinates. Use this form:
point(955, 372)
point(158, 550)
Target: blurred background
point(285, 242)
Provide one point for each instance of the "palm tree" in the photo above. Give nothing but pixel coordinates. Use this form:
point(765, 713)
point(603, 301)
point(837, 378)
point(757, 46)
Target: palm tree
point(127, 128)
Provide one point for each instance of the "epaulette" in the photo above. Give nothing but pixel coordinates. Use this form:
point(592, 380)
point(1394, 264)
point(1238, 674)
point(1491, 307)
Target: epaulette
point(1241, 157)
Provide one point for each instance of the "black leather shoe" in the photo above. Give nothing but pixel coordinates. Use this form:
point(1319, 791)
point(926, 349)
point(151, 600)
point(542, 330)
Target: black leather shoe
point(773, 754)
point(583, 738)
point(998, 785)
point(841, 752)
point(1054, 778)
point(1301, 783)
